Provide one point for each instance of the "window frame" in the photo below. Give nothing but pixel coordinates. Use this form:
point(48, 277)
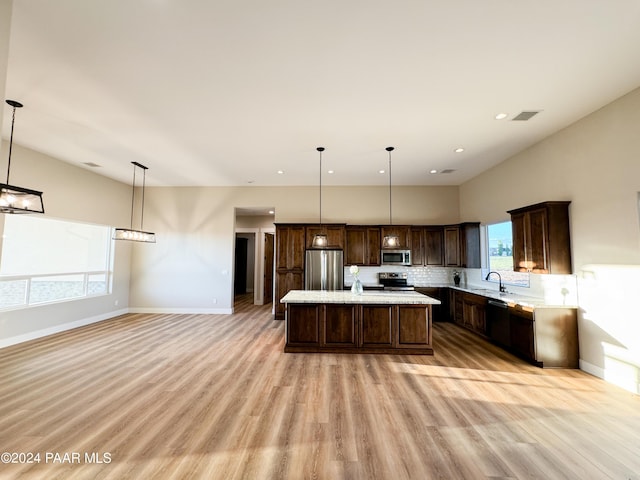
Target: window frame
point(485, 261)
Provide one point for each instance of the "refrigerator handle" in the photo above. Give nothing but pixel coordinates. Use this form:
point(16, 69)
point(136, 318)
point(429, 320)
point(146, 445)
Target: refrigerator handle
point(323, 267)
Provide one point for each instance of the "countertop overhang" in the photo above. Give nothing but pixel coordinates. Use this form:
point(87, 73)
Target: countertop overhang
point(376, 297)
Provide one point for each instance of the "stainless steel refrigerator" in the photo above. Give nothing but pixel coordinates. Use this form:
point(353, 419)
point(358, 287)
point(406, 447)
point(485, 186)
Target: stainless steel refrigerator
point(323, 270)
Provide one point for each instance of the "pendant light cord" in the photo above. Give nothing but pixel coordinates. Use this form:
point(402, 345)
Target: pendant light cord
point(13, 119)
point(390, 149)
point(144, 180)
point(320, 149)
point(133, 193)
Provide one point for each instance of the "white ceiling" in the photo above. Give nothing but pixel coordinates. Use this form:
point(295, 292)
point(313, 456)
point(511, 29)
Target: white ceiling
point(228, 92)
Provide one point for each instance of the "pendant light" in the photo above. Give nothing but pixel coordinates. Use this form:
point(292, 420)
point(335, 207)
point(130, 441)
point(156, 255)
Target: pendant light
point(130, 233)
point(320, 239)
point(18, 199)
point(390, 241)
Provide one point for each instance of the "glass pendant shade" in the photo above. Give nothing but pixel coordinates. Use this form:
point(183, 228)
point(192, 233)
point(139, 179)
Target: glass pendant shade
point(15, 199)
point(20, 200)
point(134, 235)
point(131, 233)
point(390, 241)
point(319, 240)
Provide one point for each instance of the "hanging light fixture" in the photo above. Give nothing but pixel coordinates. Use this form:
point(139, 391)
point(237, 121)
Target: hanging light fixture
point(320, 239)
point(390, 241)
point(18, 199)
point(130, 233)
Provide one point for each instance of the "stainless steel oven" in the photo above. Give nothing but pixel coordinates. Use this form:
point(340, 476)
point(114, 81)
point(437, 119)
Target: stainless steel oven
point(395, 257)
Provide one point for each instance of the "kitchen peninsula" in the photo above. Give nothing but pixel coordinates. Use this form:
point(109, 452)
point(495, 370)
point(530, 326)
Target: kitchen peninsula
point(374, 322)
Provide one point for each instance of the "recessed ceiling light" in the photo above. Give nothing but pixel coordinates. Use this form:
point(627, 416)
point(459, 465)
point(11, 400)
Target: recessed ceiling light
point(280, 172)
point(501, 116)
point(459, 150)
point(380, 171)
point(271, 212)
point(433, 171)
point(330, 172)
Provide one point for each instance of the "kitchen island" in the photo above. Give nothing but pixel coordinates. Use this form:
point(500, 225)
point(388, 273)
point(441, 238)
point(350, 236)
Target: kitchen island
point(374, 322)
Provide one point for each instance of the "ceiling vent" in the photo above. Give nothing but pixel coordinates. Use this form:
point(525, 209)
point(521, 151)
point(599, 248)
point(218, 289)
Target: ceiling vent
point(91, 164)
point(447, 170)
point(526, 115)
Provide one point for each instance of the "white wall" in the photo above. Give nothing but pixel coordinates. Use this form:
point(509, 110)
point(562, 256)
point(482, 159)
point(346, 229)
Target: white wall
point(70, 193)
point(594, 163)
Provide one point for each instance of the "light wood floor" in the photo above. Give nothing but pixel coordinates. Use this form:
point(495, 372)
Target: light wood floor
point(215, 397)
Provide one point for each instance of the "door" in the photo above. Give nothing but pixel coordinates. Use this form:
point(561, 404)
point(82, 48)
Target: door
point(240, 269)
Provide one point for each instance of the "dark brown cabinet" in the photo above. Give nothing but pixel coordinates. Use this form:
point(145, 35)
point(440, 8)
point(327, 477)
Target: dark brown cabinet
point(377, 326)
point(452, 246)
point(358, 328)
point(439, 313)
point(427, 246)
point(462, 245)
point(475, 313)
point(403, 233)
point(546, 337)
point(362, 245)
point(335, 235)
point(434, 246)
point(413, 326)
point(417, 246)
point(290, 247)
point(541, 239)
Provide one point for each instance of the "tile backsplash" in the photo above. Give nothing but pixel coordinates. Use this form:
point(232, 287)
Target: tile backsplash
point(418, 276)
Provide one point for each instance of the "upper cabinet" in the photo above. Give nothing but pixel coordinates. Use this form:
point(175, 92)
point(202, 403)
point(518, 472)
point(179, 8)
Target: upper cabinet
point(335, 235)
point(362, 245)
point(541, 240)
point(290, 247)
point(427, 246)
point(403, 232)
point(462, 245)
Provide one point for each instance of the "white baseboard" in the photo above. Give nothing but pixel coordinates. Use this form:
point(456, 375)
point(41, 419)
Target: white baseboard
point(7, 342)
point(592, 369)
point(186, 310)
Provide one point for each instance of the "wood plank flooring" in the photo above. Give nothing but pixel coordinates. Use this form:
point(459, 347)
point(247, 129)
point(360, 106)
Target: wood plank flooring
point(215, 397)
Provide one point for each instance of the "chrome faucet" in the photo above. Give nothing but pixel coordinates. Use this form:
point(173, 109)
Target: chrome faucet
point(500, 286)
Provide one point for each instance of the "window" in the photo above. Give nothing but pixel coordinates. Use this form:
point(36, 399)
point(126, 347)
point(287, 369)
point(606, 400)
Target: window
point(499, 251)
point(44, 260)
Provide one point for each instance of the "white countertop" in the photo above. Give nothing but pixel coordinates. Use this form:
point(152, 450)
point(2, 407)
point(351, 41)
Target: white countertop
point(368, 297)
point(511, 298)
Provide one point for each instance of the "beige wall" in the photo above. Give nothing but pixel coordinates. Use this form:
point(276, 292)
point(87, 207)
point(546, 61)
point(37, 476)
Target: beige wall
point(595, 163)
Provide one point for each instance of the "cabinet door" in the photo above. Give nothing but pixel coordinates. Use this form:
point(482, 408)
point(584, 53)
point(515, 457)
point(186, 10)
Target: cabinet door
point(537, 238)
point(452, 246)
point(335, 235)
point(340, 326)
point(413, 326)
point(434, 246)
point(521, 332)
point(303, 324)
point(286, 281)
point(417, 246)
point(519, 233)
point(402, 232)
point(290, 246)
point(356, 246)
point(376, 326)
point(373, 246)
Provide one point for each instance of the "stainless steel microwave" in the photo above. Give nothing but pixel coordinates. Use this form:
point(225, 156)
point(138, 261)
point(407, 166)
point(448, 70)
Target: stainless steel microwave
point(395, 257)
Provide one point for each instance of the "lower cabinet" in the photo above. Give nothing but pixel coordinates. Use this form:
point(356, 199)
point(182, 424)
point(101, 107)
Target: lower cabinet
point(439, 312)
point(286, 281)
point(358, 328)
point(546, 337)
point(469, 311)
